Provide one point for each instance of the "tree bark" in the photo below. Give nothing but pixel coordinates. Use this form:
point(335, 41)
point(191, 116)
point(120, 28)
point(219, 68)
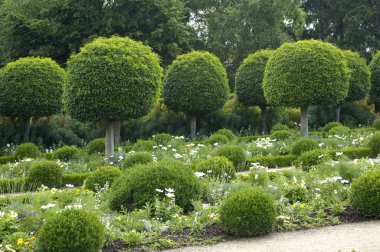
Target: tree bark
point(304, 121)
point(264, 118)
point(110, 138)
point(117, 133)
point(193, 127)
point(26, 129)
point(337, 113)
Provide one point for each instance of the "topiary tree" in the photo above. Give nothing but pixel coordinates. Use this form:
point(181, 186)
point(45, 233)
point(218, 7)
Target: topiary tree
point(195, 83)
point(249, 82)
point(375, 78)
point(306, 73)
point(31, 87)
point(112, 79)
point(360, 81)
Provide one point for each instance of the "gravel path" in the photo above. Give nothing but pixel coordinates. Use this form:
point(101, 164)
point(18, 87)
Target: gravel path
point(361, 237)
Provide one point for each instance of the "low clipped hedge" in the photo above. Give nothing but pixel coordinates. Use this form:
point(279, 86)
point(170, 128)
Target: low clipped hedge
point(353, 153)
point(273, 161)
point(7, 159)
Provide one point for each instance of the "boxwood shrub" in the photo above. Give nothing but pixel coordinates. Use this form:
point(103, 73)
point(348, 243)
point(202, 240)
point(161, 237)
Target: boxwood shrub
point(26, 150)
point(217, 138)
point(47, 173)
point(101, 176)
point(234, 153)
point(96, 146)
point(65, 153)
point(304, 144)
point(140, 157)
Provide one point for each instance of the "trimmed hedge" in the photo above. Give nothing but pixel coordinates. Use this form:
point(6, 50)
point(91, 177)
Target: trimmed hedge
point(273, 161)
point(353, 153)
point(7, 159)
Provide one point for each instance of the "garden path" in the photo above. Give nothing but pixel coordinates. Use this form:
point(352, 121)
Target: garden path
point(360, 237)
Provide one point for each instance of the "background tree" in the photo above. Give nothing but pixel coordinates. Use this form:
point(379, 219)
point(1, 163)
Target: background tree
point(360, 81)
point(195, 83)
point(375, 79)
point(31, 87)
point(306, 73)
point(249, 82)
point(112, 79)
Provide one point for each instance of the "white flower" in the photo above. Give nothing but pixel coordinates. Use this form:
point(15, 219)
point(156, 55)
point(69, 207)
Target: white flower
point(199, 174)
point(8, 145)
point(164, 148)
point(50, 205)
point(169, 195)
point(175, 150)
point(206, 206)
point(2, 214)
point(177, 155)
point(216, 144)
point(13, 214)
point(169, 190)
point(190, 145)
point(344, 181)
point(159, 190)
point(69, 186)
point(338, 154)
point(200, 145)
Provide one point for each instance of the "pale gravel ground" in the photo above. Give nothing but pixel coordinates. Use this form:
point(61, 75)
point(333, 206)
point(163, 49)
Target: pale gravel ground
point(362, 237)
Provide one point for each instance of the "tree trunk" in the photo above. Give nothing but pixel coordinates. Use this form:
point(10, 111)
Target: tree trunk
point(117, 132)
point(193, 127)
point(26, 129)
point(304, 121)
point(337, 113)
point(264, 118)
point(110, 138)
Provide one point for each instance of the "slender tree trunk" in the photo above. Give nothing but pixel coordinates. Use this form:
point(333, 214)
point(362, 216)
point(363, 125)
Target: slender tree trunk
point(304, 121)
point(26, 129)
point(110, 138)
point(117, 132)
point(193, 127)
point(264, 118)
point(337, 113)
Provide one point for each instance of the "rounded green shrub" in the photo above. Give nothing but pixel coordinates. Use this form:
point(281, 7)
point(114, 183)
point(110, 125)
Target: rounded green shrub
point(217, 138)
point(71, 230)
point(96, 146)
point(278, 127)
point(103, 175)
point(364, 194)
point(47, 173)
point(228, 133)
point(138, 185)
point(310, 158)
point(234, 153)
point(65, 153)
point(26, 150)
point(374, 144)
point(339, 131)
point(248, 213)
point(281, 134)
point(162, 138)
point(376, 124)
point(140, 157)
point(331, 125)
point(143, 145)
point(304, 144)
point(217, 167)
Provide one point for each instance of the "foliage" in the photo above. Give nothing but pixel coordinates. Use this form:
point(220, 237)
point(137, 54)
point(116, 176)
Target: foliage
point(217, 167)
point(75, 179)
point(339, 130)
point(138, 185)
point(47, 173)
point(140, 157)
point(65, 153)
point(228, 133)
point(374, 66)
point(306, 73)
point(217, 138)
point(278, 127)
point(310, 158)
point(248, 213)
point(96, 146)
point(162, 138)
point(249, 79)
point(281, 134)
point(354, 153)
point(349, 171)
point(304, 144)
point(376, 124)
point(331, 125)
point(273, 161)
point(205, 91)
point(143, 145)
point(233, 153)
point(374, 144)
point(102, 176)
point(364, 194)
point(129, 69)
point(26, 150)
point(31, 87)
point(71, 230)
point(7, 159)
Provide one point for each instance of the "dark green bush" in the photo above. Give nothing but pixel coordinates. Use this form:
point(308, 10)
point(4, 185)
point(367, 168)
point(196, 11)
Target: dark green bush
point(217, 167)
point(303, 145)
point(71, 230)
point(47, 173)
point(234, 153)
point(310, 158)
point(140, 157)
point(248, 213)
point(138, 185)
point(228, 133)
point(374, 144)
point(26, 150)
point(75, 179)
point(217, 138)
point(376, 124)
point(162, 138)
point(101, 176)
point(331, 125)
point(273, 161)
point(96, 146)
point(143, 145)
point(279, 127)
point(65, 153)
point(364, 194)
point(7, 159)
point(281, 134)
point(339, 130)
